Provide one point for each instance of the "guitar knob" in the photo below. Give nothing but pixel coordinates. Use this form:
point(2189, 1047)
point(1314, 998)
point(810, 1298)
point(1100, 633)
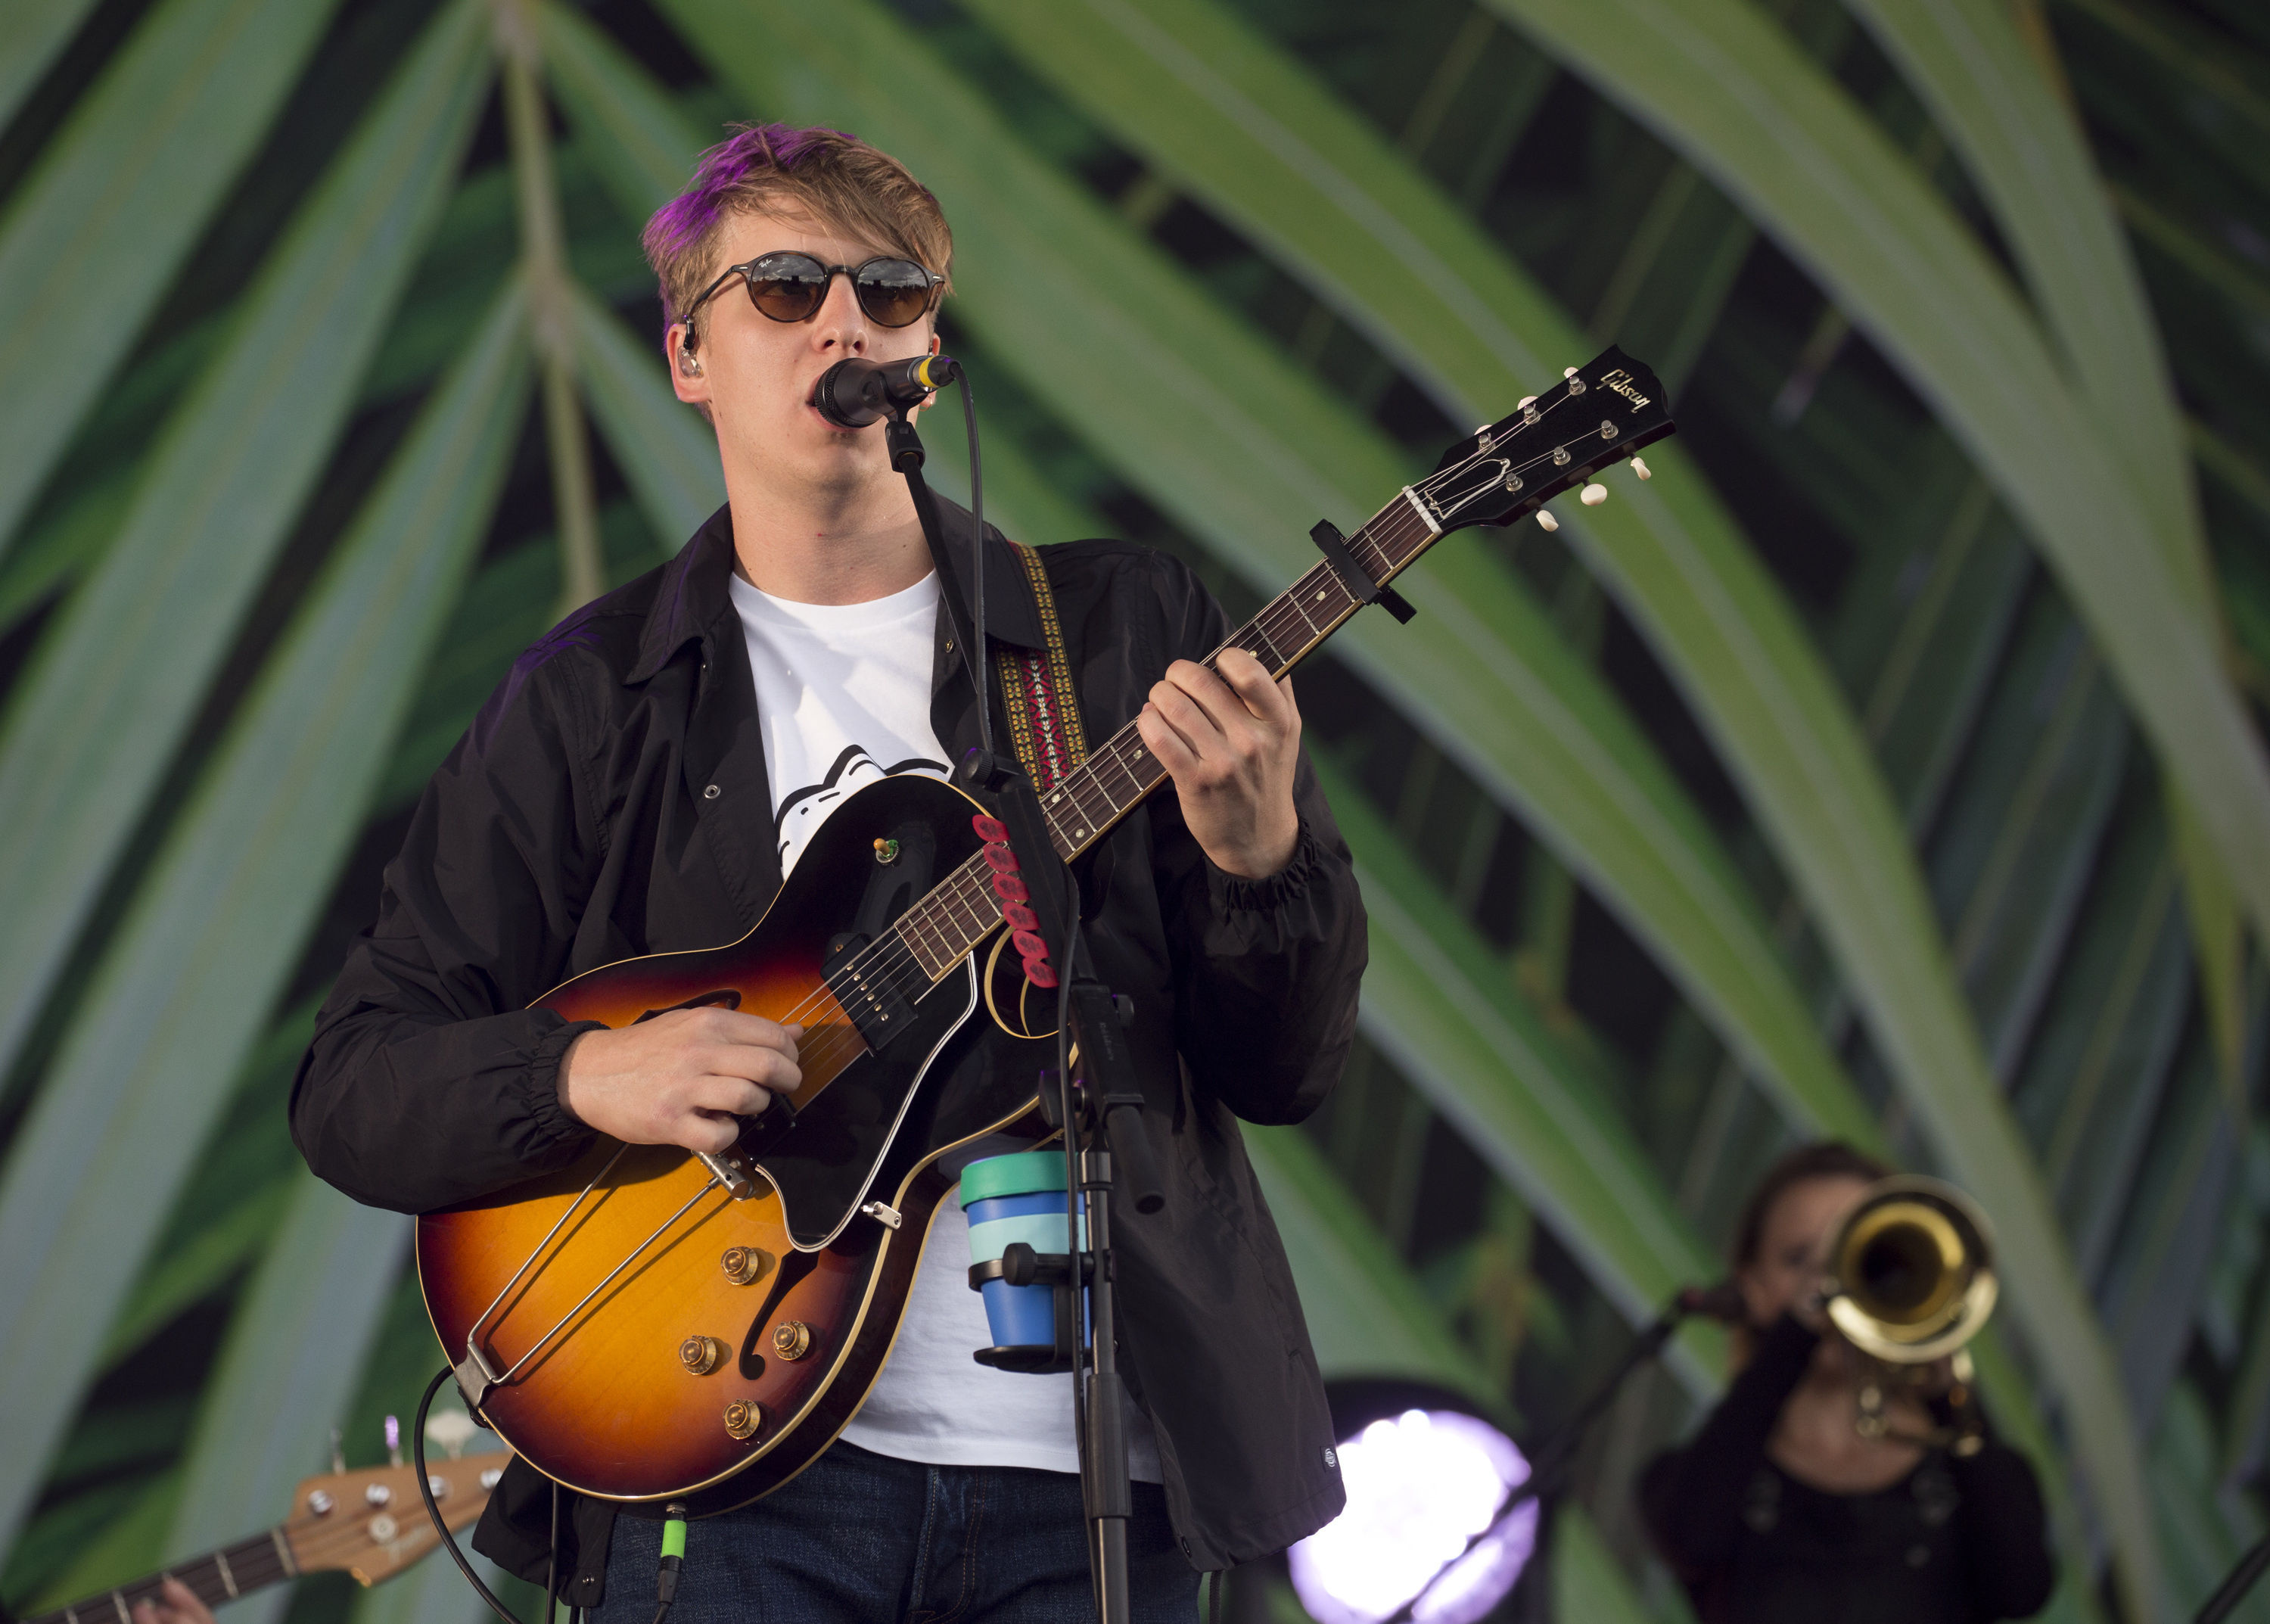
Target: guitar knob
point(743, 1417)
point(700, 1354)
point(791, 1338)
point(743, 1263)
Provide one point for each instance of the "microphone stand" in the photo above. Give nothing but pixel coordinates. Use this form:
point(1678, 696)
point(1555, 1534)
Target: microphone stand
point(2233, 1589)
point(1106, 1111)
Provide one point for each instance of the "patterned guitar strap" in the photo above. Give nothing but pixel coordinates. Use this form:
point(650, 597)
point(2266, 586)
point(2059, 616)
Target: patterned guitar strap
point(1036, 689)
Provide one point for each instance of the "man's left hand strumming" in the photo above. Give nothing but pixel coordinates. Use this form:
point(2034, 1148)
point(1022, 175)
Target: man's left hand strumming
point(1230, 741)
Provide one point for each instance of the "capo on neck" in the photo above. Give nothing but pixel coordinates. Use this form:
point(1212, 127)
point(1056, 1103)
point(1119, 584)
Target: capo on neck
point(1355, 576)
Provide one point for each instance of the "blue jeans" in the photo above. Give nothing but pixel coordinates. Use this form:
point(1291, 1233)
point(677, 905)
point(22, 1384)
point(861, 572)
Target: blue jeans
point(864, 1538)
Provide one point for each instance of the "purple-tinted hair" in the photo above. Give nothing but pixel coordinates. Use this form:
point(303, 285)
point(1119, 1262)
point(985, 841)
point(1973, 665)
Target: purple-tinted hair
point(837, 178)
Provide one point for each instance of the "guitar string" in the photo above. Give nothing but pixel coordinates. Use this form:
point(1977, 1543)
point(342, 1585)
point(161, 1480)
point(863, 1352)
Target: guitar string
point(889, 958)
point(885, 963)
point(896, 952)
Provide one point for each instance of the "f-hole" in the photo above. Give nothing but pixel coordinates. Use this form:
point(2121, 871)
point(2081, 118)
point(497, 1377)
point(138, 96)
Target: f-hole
point(794, 1266)
point(725, 998)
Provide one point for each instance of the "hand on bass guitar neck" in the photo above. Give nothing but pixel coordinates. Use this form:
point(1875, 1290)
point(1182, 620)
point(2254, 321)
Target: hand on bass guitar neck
point(369, 1523)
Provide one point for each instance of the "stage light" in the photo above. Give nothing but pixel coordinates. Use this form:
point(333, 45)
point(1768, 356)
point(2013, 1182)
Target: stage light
point(1424, 1527)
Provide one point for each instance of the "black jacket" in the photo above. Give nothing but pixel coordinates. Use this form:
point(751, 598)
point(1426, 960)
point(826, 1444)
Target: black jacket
point(1960, 1540)
point(611, 800)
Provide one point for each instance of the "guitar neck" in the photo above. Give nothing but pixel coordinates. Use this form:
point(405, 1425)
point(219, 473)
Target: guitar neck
point(1082, 807)
point(216, 1577)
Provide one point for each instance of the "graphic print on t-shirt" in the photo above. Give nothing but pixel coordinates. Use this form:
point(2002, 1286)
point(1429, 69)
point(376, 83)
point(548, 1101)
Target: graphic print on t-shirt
point(843, 694)
point(804, 810)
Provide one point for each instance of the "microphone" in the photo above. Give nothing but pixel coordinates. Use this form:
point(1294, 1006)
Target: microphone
point(854, 393)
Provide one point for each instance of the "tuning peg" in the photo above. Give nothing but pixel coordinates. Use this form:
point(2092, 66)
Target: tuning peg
point(393, 1441)
point(451, 1429)
point(1568, 372)
point(1546, 520)
point(1641, 468)
point(338, 1461)
point(1594, 495)
point(1526, 400)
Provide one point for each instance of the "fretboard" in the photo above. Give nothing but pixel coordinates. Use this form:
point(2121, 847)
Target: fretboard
point(216, 1577)
point(948, 925)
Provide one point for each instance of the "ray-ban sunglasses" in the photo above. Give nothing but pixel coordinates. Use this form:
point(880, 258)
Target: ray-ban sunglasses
point(791, 287)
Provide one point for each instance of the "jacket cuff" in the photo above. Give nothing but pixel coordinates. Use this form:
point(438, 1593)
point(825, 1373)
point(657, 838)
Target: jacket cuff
point(554, 1124)
point(1232, 895)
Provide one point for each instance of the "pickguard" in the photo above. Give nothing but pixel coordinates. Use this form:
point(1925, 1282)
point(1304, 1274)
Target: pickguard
point(823, 1163)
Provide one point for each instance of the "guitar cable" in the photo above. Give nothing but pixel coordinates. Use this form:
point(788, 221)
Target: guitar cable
point(433, 1511)
point(666, 1571)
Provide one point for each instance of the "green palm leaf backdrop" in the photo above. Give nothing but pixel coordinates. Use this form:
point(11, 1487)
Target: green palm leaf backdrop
point(1889, 766)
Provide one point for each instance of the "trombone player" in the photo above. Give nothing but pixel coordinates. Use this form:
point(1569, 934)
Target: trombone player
point(1834, 1483)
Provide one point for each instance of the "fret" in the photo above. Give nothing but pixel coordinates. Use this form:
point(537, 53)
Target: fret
point(933, 941)
point(908, 930)
point(939, 932)
point(1296, 600)
point(205, 1577)
point(284, 1553)
point(1086, 790)
point(1250, 638)
point(220, 1561)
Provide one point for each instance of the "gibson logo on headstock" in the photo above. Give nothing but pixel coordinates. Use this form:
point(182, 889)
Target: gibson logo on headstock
point(1620, 381)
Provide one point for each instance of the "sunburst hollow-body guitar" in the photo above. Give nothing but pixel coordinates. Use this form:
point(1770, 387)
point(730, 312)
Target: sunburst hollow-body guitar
point(647, 1324)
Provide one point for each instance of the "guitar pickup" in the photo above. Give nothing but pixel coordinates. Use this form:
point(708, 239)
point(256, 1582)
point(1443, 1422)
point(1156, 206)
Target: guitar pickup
point(878, 1010)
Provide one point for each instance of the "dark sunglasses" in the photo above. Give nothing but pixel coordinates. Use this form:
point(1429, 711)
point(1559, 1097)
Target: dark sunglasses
point(791, 287)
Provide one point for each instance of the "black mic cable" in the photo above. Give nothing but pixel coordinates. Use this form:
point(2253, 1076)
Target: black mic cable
point(856, 392)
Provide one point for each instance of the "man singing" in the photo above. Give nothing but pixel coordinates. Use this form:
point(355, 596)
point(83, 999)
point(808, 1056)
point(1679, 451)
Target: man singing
point(640, 783)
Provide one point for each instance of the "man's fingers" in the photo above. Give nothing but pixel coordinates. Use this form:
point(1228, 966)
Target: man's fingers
point(1172, 749)
point(1185, 712)
point(732, 1096)
point(767, 1066)
point(711, 1135)
point(728, 1025)
point(1269, 699)
point(1223, 705)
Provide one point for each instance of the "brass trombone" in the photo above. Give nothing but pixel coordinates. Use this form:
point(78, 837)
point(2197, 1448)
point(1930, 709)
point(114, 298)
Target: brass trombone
point(1911, 1280)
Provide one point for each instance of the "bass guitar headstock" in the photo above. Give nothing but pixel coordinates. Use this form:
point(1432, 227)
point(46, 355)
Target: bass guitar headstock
point(372, 1522)
point(1599, 413)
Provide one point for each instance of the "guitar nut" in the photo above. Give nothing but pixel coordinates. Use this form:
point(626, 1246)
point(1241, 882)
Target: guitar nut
point(700, 1354)
point(743, 1417)
point(743, 1263)
point(791, 1338)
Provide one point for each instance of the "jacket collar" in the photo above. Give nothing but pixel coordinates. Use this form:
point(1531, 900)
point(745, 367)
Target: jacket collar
point(695, 600)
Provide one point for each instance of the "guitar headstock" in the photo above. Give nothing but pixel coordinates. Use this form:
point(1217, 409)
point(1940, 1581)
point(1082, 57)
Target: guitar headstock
point(372, 1524)
point(1600, 413)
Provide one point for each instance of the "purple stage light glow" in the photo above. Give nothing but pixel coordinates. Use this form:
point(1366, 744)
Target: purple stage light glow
point(1422, 1522)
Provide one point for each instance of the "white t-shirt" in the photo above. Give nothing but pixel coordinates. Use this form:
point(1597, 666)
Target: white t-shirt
point(844, 695)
